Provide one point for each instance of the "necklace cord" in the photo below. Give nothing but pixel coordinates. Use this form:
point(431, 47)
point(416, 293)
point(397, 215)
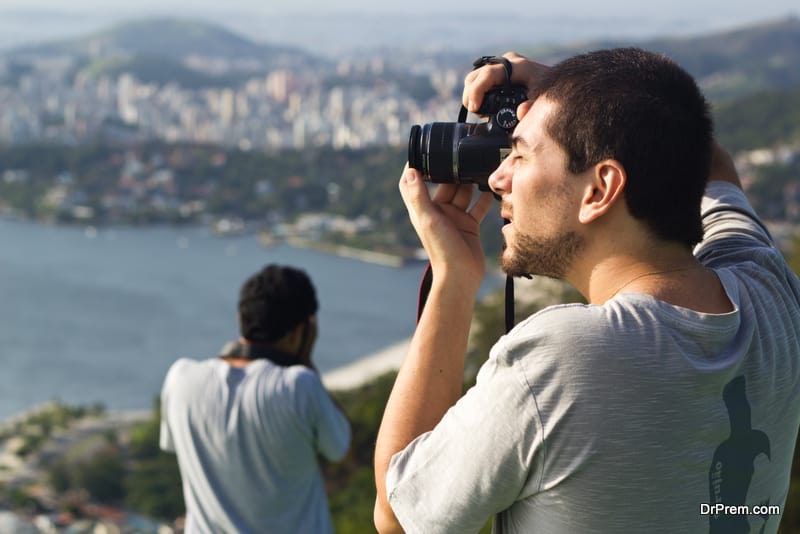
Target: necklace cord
point(650, 273)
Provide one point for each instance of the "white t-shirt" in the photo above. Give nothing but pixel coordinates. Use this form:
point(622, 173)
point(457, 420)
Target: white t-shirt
point(633, 416)
point(247, 441)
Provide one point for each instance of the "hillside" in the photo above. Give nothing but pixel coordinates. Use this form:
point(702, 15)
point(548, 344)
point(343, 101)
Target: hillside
point(763, 119)
point(728, 64)
point(161, 70)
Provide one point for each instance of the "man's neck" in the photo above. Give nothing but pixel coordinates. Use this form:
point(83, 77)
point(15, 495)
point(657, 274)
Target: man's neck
point(686, 283)
point(243, 352)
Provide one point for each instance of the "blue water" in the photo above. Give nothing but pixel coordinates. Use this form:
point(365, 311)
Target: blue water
point(98, 317)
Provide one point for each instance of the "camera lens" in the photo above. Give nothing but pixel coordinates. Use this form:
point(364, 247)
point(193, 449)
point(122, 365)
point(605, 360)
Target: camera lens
point(456, 152)
point(433, 149)
point(415, 147)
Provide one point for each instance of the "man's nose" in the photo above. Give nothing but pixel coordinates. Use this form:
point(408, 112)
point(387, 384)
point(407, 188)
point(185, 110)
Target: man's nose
point(499, 180)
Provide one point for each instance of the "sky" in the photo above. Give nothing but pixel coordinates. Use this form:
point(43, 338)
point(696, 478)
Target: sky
point(707, 9)
point(26, 21)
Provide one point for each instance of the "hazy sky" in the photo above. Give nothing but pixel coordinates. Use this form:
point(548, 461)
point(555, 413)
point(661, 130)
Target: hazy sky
point(25, 21)
point(716, 9)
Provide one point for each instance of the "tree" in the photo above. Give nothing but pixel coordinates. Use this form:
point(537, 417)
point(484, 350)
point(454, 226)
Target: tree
point(102, 476)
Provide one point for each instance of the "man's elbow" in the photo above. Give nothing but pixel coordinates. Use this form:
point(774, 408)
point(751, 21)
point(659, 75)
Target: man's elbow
point(339, 454)
point(385, 520)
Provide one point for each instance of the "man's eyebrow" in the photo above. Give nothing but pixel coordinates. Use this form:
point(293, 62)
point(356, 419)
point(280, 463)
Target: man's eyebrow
point(517, 142)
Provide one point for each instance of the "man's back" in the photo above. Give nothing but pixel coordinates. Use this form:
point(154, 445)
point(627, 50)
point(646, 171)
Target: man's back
point(247, 440)
point(632, 416)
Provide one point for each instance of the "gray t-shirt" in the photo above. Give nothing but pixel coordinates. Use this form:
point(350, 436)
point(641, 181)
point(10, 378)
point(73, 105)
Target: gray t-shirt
point(247, 441)
point(633, 416)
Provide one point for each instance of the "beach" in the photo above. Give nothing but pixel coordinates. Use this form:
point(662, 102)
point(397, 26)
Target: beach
point(362, 371)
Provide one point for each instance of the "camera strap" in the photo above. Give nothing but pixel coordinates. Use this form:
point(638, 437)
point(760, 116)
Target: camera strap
point(425, 288)
point(494, 60)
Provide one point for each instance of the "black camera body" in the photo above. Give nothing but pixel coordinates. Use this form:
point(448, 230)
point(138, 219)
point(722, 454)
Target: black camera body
point(467, 153)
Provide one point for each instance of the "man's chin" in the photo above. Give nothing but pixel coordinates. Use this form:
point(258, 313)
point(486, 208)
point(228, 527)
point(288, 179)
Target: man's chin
point(510, 264)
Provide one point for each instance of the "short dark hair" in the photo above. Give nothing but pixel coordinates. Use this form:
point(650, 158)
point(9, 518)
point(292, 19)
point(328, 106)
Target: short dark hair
point(643, 110)
point(273, 301)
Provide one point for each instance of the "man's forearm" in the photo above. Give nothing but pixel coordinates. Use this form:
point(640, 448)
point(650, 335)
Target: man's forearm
point(429, 382)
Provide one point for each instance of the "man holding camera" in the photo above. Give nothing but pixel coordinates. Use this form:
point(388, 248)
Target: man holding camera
point(676, 386)
point(247, 427)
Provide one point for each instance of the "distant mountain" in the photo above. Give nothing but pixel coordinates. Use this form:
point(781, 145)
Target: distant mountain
point(728, 64)
point(750, 59)
point(177, 39)
point(161, 70)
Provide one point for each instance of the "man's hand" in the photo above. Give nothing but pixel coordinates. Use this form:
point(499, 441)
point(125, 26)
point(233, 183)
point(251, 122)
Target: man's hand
point(448, 224)
point(722, 167)
point(308, 338)
point(523, 71)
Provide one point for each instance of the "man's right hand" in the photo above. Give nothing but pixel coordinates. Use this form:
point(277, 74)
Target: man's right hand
point(448, 225)
point(523, 71)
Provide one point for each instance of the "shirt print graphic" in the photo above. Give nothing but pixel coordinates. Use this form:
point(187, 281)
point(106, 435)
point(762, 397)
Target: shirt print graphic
point(732, 467)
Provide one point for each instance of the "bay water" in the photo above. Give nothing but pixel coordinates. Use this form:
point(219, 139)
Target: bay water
point(98, 315)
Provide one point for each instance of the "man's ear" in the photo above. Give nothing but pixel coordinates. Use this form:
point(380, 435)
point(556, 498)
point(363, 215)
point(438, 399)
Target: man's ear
point(603, 190)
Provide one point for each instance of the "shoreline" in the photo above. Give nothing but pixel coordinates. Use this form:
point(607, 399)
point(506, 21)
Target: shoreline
point(361, 371)
point(387, 259)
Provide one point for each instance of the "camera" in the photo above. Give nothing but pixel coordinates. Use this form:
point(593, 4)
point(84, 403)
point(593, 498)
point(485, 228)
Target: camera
point(467, 153)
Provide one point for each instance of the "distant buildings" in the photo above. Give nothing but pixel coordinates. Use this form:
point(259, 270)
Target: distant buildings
point(281, 109)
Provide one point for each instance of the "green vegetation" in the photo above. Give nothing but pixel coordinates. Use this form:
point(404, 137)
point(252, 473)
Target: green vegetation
point(37, 427)
point(156, 182)
point(153, 486)
point(765, 119)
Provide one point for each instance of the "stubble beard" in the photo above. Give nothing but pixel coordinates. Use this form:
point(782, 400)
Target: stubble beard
point(547, 256)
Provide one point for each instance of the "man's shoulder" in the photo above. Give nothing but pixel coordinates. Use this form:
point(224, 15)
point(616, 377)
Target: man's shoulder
point(582, 331)
point(185, 363)
point(561, 318)
point(553, 328)
point(184, 368)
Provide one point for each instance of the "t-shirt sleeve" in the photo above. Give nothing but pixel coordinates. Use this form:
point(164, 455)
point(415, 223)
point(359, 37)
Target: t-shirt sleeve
point(476, 461)
point(730, 226)
point(165, 440)
point(330, 426)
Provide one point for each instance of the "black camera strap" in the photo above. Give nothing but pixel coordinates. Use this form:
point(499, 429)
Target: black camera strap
point(425, 288)
point(494, 60)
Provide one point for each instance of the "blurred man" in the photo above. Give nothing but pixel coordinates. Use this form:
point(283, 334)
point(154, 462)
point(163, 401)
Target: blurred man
point(248, 425)
point(671, 401)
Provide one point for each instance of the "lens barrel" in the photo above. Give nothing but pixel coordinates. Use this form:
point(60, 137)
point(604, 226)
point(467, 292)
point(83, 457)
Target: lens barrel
point(456, 152)
point(433, 149)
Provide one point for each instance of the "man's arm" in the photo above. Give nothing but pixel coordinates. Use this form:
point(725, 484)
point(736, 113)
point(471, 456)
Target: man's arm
point(334, 431)
point(430, 379)
point(731, 226)
point(722, 167)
